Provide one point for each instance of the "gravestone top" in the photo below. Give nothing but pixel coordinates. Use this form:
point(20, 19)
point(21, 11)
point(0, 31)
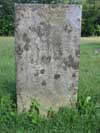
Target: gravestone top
point(47, 54)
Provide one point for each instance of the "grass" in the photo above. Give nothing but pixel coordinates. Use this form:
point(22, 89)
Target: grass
point(84, 119)
point(7, 66)
point(89, 83)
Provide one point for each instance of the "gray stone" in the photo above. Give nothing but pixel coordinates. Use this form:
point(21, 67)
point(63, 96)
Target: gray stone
point(47, 55)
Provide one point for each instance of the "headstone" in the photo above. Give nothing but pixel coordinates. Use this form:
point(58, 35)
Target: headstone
point(47, 55)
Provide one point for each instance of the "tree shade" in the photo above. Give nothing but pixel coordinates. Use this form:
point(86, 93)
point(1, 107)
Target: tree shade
point(90, 22)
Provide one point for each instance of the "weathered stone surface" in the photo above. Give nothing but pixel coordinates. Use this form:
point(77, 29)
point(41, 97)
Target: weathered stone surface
point(47, 54)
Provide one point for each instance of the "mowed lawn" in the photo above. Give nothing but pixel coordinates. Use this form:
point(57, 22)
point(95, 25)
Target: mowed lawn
point(84, 119)
point(7, 66)
point(89, 82)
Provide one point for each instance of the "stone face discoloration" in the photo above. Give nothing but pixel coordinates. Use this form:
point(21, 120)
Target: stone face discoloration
point(39, 31)
point(73, 75)
point(32, 61)
point(21, 68)
point(75, 65)
point(47, 54)
point(19, 50)
point(44, 83)
point(46, 59)
point(26, 39)
point(78, 52)
point(42, 71)
point(70, 61)
point(56, 76)
point(65, 61)
point(26, 47)
point(36, 74)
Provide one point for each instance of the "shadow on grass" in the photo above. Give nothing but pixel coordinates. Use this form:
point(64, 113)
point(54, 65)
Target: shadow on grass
point(8, 88)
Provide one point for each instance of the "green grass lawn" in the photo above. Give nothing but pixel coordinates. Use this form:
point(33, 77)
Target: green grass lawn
point(89, 83)
point(7, 66)
point(84, 119)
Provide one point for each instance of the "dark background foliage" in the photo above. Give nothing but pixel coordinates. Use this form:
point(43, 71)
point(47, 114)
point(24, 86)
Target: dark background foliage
point(90, 21)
